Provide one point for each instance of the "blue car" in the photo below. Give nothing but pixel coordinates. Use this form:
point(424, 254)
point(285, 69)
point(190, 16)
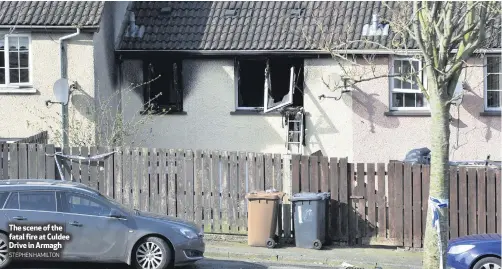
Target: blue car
point(481, 251)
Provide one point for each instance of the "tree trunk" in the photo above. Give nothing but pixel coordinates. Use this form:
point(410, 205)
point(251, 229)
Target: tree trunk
point(439, 181)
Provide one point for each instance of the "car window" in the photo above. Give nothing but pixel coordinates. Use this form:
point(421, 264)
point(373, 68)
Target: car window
point(13, 202)
point(85, 205)
point(37, 200)
point(3, 197)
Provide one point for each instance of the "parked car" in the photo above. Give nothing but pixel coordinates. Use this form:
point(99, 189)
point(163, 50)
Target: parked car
point(481, 251)
point(101, 229)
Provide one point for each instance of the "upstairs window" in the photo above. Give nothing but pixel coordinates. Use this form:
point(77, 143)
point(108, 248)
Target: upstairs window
point(404, 90)
point(15, 68)
point(493, 83)
point(163, 89)
point(269, 84)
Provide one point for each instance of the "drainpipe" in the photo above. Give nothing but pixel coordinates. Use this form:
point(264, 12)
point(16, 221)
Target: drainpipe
point(64, 74)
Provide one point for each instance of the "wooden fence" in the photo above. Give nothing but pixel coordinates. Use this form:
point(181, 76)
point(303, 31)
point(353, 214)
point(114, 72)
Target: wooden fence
point(382, 203)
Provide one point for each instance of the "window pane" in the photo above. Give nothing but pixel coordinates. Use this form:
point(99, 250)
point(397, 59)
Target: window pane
point(420, 100)
point(2, 76)
point(397, 83)
point(409, 99)
point(38, 200)
point(493, 99)
point(2, 44)
point(13, 202)
point(13, 60)
point(2, 59)
point(493, 64)
point(24, 75)
point(492, 82)
point(23, 43)
point(14, 75)
point(13, 43)
point(3, 197)
point(397, 100)
point(87, 206)
point(23, 59)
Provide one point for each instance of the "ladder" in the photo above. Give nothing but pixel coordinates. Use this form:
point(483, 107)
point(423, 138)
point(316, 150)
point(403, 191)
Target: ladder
point(295, 131)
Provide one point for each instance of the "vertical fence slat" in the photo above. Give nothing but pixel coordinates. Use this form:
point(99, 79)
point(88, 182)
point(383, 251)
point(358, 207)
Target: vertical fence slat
point(75, 165)
point(13, 162)
point(361, 203)
point(117, 174)
point(241, 200)
point(391, 186)
point(153, 171)
point(490, 198)
point(353, 219)
point(135, 178)
point(40, 161)
point(471, 200)
point(252, 179)
point(260, 173)
point(324, 174)
point(371, 200)
point(408, 209)
point(334, 184)
point(225, 193)
point(109, 172)
point(305, 180)
point(189, 176)
point(23, 161)
point(382, 207)
point(32, 161)
point(314, 174)
point(215, 192)
point(85, 165)
point(269, 172)
point(498, 204)
point(101, 172)
point(287, 186)
point(197, 185)
point(127, 176)
point(144, 180)
point(453, 203)
point(278, 172)
point(93, 169)
point(344, 200)
point(425, 195)
point(180, 184)
point(295, 173)
point(66, 164)
point(398, 198)
point(50, 168)
point(462, 198)
point(233, 183)
point(206, 189)
point(481, 202)
point(163, 185)
point(417, 206)
point(172, 191)
point(4, 160)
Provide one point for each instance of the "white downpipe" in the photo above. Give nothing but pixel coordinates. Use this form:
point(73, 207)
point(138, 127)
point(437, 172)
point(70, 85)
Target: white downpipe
point(70, 35)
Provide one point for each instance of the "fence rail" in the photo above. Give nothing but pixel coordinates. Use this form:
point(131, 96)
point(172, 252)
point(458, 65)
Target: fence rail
point(378, 203)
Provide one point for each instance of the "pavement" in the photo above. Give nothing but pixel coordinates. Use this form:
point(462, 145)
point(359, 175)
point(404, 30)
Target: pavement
point(234, 255)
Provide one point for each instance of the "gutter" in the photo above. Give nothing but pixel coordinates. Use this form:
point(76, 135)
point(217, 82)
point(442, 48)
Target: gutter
point(46, 27)
point(64, 74)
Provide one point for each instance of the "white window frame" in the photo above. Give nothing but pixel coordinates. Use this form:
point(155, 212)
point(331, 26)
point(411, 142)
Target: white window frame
point(485, 80)
point(19, 86)
point(393, 90)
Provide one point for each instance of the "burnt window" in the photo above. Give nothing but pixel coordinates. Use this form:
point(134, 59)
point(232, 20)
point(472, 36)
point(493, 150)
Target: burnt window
point(163, 88)
point(276, 82)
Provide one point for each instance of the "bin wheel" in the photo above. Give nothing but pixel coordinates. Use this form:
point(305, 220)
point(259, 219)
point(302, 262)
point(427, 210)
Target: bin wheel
point(317, 244)
point(271, 243)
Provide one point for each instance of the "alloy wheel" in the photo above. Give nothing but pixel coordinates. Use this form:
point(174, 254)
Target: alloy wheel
point(3, 252)
point(490, 265)
point(149, 255)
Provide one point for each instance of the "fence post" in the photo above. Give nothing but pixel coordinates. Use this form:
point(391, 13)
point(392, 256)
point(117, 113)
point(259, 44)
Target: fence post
point(287, 188)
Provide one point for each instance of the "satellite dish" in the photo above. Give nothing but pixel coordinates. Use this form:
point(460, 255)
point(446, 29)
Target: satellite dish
point(62, 91)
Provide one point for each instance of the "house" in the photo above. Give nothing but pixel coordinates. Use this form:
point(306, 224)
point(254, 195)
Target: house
point(215, 60)
point(33, 58)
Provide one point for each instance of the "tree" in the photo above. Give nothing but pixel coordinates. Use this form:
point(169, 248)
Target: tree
point(446, 35)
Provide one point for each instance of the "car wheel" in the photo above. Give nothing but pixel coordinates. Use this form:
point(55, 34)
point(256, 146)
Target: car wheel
point(152, 253)
point(4, 251)
point(488, 263)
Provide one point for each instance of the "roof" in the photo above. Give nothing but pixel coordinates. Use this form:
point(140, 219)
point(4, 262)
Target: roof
point(255, 25)
point(50, 14)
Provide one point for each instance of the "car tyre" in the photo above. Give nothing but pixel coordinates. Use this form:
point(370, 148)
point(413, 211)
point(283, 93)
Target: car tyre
point(488, 263)
point(152, 253)
point(5, 260)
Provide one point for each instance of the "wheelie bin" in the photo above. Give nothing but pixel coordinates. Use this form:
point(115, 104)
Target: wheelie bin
point(263, 213)
point(310, 219)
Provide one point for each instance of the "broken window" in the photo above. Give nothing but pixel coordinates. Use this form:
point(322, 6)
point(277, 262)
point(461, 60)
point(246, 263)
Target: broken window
point(269, 84)
point(163, 92)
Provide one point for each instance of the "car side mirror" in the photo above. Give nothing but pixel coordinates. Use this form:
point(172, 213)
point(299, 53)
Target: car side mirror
point(114, 213)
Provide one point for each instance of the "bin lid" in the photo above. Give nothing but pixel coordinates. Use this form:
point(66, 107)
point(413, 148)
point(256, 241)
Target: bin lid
point(265, 195)
point(310, 196)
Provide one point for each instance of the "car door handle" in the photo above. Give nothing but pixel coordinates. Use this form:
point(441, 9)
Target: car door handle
point(19, 218)
point(74, 223)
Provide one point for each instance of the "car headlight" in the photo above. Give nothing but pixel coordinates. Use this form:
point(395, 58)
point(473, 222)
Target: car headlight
point(188, 233)
point(460, 249)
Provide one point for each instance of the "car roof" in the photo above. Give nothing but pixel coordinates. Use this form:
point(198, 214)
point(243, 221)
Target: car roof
point(30, 184)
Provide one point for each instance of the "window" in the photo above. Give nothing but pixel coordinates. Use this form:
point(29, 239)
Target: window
point(3, 197)
point(275, 82)
point(405, 92)
point(15, 60)
point(493, 83)
point(13, 202)
point(163, 85)
point(81, 204)
point(37, 200)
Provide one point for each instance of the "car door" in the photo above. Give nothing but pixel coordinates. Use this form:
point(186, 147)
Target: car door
point(95, 235)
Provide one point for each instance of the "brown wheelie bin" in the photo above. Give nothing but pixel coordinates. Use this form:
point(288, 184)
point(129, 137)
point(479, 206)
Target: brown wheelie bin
point(263, 211)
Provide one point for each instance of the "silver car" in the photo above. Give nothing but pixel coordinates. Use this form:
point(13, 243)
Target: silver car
point(101, 229)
